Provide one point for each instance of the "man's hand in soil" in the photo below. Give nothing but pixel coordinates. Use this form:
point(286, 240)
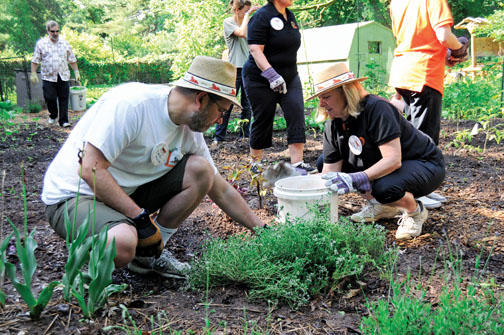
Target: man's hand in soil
point(276, 172)
point(150, 242)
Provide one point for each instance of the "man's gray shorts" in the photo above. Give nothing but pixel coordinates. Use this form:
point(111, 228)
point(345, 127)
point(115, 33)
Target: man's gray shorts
point(151, 196)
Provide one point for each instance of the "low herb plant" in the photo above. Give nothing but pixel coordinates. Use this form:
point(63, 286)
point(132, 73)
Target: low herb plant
point(461, 308)
point(459, 311)
point(291, 263)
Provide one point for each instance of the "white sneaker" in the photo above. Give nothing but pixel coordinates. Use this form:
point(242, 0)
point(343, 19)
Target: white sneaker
point(436, 196)
point(51, 121)
point(429, 203)
point(66, 125)
point(410, 225)
point(374, 211)
point(166, 265)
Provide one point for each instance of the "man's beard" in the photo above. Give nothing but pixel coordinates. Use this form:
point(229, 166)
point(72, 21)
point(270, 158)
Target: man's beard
point(199, 121)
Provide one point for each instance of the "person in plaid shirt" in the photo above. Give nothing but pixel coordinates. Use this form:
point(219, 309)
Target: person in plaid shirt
point(54, 53)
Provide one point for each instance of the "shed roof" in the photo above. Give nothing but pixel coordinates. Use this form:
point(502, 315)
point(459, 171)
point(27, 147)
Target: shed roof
point(328, 43)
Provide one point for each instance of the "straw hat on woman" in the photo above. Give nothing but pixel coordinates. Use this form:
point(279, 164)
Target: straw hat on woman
point(370, 148)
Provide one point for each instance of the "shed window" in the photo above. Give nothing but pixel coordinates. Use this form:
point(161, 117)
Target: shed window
point(374, 47)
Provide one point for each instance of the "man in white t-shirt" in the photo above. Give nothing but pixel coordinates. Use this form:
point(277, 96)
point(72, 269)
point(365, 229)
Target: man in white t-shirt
point(140, 149)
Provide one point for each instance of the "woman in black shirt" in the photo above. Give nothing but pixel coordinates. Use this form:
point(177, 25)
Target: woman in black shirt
point(270, 77)
point(369, 147)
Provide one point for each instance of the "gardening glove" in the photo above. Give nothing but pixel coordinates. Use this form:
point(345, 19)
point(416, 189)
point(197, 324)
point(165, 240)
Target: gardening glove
point(77, 75)
point(150, 242)
point(343, 183)
point(278, 171)
point(459, 55)
point(34, 77)
point(276, 81)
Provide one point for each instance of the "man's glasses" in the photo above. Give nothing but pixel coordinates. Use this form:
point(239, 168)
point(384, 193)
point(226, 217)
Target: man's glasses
point(221, 109)
point(54, 31)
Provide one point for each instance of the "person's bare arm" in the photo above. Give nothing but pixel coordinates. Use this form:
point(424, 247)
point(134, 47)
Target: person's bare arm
point(232, 203)
point(257, 51)
point(332, 167)
point(391, 160)
point(242, 30)
point(94, 172)
point(446, 37)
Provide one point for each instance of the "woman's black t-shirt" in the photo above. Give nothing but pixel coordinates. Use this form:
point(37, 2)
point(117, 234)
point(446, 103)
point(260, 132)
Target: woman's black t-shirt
point(378, 123)
point(281, 39)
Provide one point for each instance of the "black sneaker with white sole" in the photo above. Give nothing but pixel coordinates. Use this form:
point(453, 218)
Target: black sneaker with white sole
point(166, 266)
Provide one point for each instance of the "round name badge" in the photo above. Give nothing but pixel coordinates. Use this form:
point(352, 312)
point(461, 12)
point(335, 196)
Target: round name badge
point(355, 145)
point(159, 154)
point(276, 23)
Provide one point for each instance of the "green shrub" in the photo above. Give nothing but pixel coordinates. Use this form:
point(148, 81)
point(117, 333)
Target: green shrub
point(33, 108)
point(291, 263)
point(474, 99)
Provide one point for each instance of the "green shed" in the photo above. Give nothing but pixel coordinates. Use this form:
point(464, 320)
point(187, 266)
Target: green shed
point(364, 46)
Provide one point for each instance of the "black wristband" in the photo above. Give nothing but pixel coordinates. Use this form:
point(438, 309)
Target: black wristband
point(142, 217)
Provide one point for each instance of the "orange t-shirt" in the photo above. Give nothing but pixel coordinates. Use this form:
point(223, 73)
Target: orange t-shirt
point(419, 58)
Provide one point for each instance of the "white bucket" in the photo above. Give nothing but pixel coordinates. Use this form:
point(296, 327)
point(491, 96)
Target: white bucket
point(297, 194)
point(78, 98)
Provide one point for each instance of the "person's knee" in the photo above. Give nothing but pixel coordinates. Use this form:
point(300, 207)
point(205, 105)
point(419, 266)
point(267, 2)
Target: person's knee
point(386, 193)
point(199, 172)
point(125, 240)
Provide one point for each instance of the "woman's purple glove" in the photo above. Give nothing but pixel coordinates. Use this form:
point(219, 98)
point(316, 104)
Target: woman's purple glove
point(276, 81)
point(343, 183)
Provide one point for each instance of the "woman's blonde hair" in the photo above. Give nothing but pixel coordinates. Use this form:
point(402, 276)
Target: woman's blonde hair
point(352, 96)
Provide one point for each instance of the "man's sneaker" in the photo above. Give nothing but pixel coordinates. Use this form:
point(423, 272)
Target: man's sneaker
point(429, 203)
point(410, 225)
point(436, 196)
point(166, 265)
point(51, 121)
point(374, 211)
point(304, 168)
point(66, 125)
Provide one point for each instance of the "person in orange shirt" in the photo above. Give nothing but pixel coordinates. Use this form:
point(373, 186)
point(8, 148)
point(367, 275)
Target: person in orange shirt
point(422, 29)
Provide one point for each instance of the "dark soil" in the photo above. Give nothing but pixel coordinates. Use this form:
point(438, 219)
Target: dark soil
point(470, 224)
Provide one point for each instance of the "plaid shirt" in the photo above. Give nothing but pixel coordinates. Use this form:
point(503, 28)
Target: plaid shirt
point(54, 58)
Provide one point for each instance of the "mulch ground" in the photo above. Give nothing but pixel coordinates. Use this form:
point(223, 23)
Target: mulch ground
point(469, 225)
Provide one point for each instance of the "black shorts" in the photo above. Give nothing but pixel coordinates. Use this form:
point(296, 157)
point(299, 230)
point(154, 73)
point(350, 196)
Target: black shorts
point(418, 177)
point(151, 196)
point(263, 102)
point(423, 110)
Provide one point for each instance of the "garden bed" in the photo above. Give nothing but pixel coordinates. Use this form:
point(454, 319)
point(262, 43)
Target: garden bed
point(468, 226)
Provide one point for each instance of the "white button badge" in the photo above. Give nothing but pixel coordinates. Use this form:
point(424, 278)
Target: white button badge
point(276, 23)
point(355, 145)
point(159, 154)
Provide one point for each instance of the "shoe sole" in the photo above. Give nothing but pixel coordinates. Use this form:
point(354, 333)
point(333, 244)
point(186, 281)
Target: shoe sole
point(144, 271)
point(432, 206)
point(376, 218)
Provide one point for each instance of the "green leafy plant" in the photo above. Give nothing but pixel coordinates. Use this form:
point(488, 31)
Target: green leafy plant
point(99, 276)
point(33, 108)
point(78, 254)
point(25, 250)
point(292, 263)
point(3, 260)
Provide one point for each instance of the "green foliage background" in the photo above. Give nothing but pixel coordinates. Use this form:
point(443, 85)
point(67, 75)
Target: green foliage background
point(115, 31)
